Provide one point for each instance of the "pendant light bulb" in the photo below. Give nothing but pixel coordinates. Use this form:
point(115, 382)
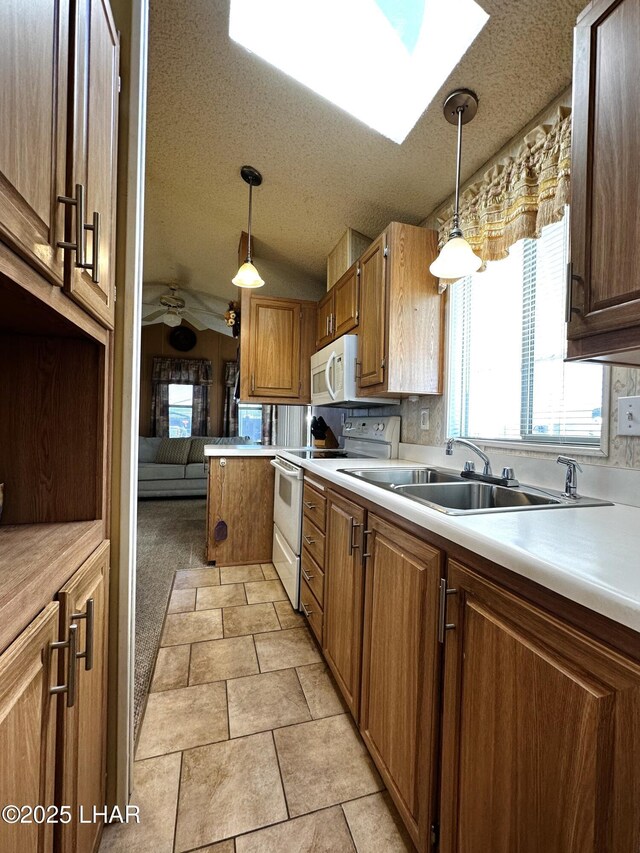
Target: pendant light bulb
point(248, 275)
point(457, 259)
point(172, 319)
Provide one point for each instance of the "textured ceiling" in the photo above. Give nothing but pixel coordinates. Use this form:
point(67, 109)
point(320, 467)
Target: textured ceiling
point(213, 106)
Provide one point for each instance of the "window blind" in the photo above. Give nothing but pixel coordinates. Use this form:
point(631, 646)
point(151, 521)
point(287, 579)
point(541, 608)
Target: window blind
point(507, 375)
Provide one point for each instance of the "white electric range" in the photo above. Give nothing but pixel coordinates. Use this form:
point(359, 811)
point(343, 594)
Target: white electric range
point(364, 438)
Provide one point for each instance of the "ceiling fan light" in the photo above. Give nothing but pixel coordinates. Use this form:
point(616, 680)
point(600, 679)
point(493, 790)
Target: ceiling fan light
point(456, 260)
point(171, 319)
point(247, 276)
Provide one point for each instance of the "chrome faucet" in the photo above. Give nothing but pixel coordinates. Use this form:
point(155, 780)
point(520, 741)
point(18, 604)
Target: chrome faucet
point(487, 465)
point(571, 480)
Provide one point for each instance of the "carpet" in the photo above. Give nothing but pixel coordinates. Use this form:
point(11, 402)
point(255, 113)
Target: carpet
point(171, 535)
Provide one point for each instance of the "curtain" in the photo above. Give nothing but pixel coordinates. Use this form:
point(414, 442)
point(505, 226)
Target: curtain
point(230, 414)
point(180, 371)
point(519, 194)
point(269, 424)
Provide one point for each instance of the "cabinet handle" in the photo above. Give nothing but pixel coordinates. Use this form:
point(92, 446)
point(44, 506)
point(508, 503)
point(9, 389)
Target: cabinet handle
point(308, 540)
point(253, 382)
point(358, 370)
point(443, 625)
point(94, 266)
point(309, 505)
point(569, 307)
point(332, 324)
point(70, 687)
point(365, 542)
point(79, 203)
point(306, 575)
point(88, 614)
point(352, 544)
point(305, 609)
point(326, 326)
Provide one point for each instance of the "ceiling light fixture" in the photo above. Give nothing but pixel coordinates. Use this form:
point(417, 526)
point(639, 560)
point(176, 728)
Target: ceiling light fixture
point(248, 275)
point(457, 258)
point(172, 318)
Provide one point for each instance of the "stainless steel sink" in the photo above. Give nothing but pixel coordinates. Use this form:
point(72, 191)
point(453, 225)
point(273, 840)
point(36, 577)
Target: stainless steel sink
point(392, 478)
point(452, 494)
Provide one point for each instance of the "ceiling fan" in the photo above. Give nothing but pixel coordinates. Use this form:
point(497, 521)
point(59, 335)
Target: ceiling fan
point(171, 309)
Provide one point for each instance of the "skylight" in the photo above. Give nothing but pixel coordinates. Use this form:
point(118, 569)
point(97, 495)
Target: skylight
point(382, 61)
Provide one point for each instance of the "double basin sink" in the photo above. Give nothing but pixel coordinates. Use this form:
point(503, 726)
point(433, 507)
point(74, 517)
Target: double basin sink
point(450, 493)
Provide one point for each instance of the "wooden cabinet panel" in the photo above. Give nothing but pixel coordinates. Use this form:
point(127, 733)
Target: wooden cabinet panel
point(345, 298)
point(538, 751)
point(33, 111)
point(82, 728)
point(346, 251)
point(313, 575)
point(96, 64)
point(343, 596)
point(325, 319)
point(400, 670)
point(312, 610)
point(28, 731)
point(372, 332)
point(605, 178)
point(237, 486)
point(313, 540)
point(314, 506)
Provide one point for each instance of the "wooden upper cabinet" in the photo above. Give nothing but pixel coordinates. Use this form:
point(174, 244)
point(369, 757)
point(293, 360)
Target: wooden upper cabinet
point(324, 320)
point(28, 731)
point(33, 115)
point(537, 746)
point(343, 595)
point(345, 295)
point(94, 148)
point(84, 602)
point(401, 327)
point(276, 343)
point(401, 671)
point(605, 184)
point(372, 332)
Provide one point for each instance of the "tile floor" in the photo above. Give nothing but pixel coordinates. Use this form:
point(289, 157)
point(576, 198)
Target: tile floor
point(245, 745)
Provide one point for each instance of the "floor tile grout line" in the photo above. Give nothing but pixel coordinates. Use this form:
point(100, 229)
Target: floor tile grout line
point(284, 790)
point(346, 820)
point(175, 821)
point(303, 693)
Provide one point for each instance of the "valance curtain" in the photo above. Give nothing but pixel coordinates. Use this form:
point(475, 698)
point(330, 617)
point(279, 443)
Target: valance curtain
point(519, 194)
point(230, 414)
point(180, 371)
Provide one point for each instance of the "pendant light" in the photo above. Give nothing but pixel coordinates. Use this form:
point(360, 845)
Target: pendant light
point(248, 275)
point(456, 258)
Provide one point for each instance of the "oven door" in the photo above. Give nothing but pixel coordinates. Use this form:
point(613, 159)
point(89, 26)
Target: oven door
point(287, 501)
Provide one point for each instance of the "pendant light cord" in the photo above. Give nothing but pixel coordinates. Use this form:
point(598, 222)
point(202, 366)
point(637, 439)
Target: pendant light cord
point(456, 210)
point(249, 230)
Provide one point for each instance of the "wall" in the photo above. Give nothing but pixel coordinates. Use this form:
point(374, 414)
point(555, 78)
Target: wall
point(212, 345)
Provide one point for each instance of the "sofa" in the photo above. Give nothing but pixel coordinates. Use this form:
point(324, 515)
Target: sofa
point(176, 467)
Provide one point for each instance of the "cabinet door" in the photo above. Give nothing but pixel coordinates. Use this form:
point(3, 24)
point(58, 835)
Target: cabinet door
point(325, 320)
point(94, 155)
point(28, 731)
point(33, 110)
point(343, 596)
point(372, 332)
point(400, 670)
point(605, 180)
point(345, 297)
point(82, 728)
point(538, 750)
point(274, 349)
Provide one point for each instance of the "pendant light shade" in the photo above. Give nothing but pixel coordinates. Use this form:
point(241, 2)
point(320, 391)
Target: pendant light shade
point(172, 319)
point(457, 259)
point(248, 275)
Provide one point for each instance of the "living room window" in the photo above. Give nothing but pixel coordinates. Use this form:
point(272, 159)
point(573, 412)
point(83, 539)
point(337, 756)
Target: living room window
point(508, 380)
point(250, 421)
point(180, 410)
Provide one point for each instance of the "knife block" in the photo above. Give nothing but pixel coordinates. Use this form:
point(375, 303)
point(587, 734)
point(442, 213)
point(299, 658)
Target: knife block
point(329, 442)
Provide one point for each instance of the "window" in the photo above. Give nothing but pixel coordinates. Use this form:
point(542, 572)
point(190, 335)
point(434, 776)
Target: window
point(507, 377)
point(250, 421)
point(180, 410)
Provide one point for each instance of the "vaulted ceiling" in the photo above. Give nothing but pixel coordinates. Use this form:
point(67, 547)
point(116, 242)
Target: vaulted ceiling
point(213, 106)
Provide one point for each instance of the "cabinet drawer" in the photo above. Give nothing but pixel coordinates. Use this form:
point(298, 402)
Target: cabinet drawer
point(313, 541)
point(311, 610)
point(312, 575)
point(314, 504)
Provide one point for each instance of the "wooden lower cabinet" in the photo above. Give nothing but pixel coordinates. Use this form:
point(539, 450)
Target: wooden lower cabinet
point(401, 670)
point(240, 510)
point(541, 745)
point(28, 671)
point(81, 728)
point(343, 595)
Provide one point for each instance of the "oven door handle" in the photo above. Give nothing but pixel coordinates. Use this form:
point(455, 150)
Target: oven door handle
point(293, 474)
point(327, 374)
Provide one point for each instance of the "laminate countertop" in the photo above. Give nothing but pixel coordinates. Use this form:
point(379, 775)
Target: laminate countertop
point(590, 555)
point(241, 450)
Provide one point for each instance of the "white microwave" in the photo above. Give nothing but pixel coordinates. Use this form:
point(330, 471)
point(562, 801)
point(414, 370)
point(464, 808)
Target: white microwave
point(333, 376)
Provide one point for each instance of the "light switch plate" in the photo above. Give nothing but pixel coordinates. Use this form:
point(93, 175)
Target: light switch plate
point(424, 418)
point(628, 415)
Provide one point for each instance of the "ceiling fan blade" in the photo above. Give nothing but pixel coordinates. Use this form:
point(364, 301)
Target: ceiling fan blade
point(193, 319)
point(153, 316)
